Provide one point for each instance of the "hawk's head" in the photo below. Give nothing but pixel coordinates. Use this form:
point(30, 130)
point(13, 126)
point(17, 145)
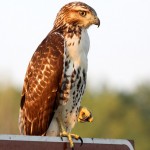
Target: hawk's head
point(76, 14)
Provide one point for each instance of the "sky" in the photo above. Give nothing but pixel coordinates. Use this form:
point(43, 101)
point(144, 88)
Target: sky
point(119, 49)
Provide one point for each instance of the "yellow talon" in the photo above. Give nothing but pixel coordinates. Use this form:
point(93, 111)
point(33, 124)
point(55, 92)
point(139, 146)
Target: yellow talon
point(63, 133)
point(84, 115)
point(70, 136)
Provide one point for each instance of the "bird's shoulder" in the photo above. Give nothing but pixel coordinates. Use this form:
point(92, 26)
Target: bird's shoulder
point(44, 71)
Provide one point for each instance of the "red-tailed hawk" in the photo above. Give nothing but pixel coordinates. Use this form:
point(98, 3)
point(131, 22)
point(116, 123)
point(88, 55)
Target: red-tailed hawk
point(56, 76)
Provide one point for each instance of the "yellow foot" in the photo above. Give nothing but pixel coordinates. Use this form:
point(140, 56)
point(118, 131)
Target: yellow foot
point(84, 115)
point(70, 136)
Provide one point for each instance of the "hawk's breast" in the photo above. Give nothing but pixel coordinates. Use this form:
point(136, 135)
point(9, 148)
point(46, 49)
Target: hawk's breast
point(74, 80)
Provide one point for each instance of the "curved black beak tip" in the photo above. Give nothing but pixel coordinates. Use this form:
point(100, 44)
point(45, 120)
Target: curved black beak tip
point(98, 22)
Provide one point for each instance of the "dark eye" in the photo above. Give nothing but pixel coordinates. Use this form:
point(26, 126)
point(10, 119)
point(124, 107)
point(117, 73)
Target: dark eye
point(82, 13)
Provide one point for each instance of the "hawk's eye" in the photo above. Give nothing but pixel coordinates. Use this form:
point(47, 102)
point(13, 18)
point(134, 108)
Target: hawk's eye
point(82, 13)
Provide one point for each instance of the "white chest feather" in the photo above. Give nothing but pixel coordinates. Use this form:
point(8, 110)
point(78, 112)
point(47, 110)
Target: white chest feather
point(78, 47)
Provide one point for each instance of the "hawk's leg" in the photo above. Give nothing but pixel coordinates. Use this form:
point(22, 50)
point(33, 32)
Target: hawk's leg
point(84, 115)
point(70, 136)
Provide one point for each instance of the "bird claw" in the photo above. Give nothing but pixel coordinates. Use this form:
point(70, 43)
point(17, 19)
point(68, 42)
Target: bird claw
point(80, 141)
point(77, 138)
point(61, 138)
point(70, 136)
point(84, 115)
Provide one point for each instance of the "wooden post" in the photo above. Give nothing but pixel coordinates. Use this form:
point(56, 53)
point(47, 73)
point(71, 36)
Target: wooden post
point(20, 142)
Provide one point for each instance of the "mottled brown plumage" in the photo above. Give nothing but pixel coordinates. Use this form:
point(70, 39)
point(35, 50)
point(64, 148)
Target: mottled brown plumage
point(41, 86)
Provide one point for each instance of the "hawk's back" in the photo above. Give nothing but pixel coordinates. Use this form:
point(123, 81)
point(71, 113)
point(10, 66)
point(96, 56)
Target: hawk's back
point(41, 86)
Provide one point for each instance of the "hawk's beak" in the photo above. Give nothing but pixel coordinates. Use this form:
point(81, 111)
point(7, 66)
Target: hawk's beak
point(97, 21)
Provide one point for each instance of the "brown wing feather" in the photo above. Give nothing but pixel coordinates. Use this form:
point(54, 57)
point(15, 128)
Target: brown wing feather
point(41, 86)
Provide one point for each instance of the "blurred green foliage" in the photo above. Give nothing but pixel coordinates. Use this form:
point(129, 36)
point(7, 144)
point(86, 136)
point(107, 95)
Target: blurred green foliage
point(9, 110)
point(116, 114)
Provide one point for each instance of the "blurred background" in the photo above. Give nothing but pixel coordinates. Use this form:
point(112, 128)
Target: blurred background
point(118, 89)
